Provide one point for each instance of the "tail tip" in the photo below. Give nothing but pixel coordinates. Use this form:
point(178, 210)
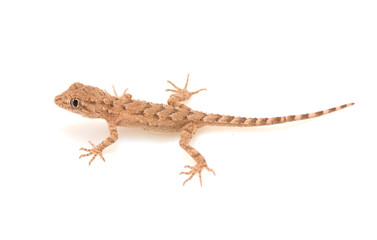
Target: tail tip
point(345, 105)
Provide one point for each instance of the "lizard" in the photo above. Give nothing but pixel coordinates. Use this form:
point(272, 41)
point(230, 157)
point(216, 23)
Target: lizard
point(124, 111)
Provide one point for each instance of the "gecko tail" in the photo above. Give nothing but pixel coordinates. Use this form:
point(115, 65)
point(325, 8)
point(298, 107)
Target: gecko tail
point(231, 121)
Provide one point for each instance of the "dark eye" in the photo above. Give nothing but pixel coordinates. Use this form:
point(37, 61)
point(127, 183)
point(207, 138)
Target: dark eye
point(75, 102)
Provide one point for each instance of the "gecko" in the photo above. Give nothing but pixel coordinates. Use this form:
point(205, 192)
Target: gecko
point(124, 111)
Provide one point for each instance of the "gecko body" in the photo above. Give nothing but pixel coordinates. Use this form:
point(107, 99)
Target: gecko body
point(124, 111)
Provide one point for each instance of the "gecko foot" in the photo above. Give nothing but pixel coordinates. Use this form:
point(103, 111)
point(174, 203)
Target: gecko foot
point(94, 151)
point(197, 169)
point(183, 94)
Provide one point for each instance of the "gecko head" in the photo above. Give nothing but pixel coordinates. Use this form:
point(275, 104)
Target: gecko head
point(85, 100)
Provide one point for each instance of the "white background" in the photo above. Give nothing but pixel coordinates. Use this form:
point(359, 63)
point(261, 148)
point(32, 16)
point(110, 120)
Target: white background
point(315, 179)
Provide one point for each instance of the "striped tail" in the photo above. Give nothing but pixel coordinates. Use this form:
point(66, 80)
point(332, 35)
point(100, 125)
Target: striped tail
point(231, 121)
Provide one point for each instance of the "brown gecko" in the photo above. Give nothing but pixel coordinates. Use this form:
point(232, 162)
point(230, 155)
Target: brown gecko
point(124, 111)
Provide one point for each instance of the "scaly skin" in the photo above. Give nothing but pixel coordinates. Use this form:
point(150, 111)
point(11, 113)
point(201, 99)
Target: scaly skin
point(124, 111)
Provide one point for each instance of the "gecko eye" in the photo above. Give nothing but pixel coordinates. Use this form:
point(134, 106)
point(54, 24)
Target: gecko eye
point(75, 102)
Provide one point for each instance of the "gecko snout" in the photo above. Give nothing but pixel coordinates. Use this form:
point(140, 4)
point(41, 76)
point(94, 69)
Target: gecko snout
point(58, 100)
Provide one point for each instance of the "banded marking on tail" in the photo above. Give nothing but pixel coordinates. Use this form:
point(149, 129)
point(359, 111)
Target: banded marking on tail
point(232, 121)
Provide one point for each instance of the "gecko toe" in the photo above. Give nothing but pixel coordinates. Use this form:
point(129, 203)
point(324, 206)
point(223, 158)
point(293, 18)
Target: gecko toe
point(91, 160)
point(85, 149)
point(211, 170)
point(101, 156)
point(186, 173)
point(85, 155)
point(171, 90)
point(200, 179)
point(188, 179)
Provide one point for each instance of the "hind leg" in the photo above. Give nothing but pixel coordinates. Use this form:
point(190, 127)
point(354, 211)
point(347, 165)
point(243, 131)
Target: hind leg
point(188, 132)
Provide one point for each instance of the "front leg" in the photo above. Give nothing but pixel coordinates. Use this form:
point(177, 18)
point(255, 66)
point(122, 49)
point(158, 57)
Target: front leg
point(180, 94)
point(97, 150)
